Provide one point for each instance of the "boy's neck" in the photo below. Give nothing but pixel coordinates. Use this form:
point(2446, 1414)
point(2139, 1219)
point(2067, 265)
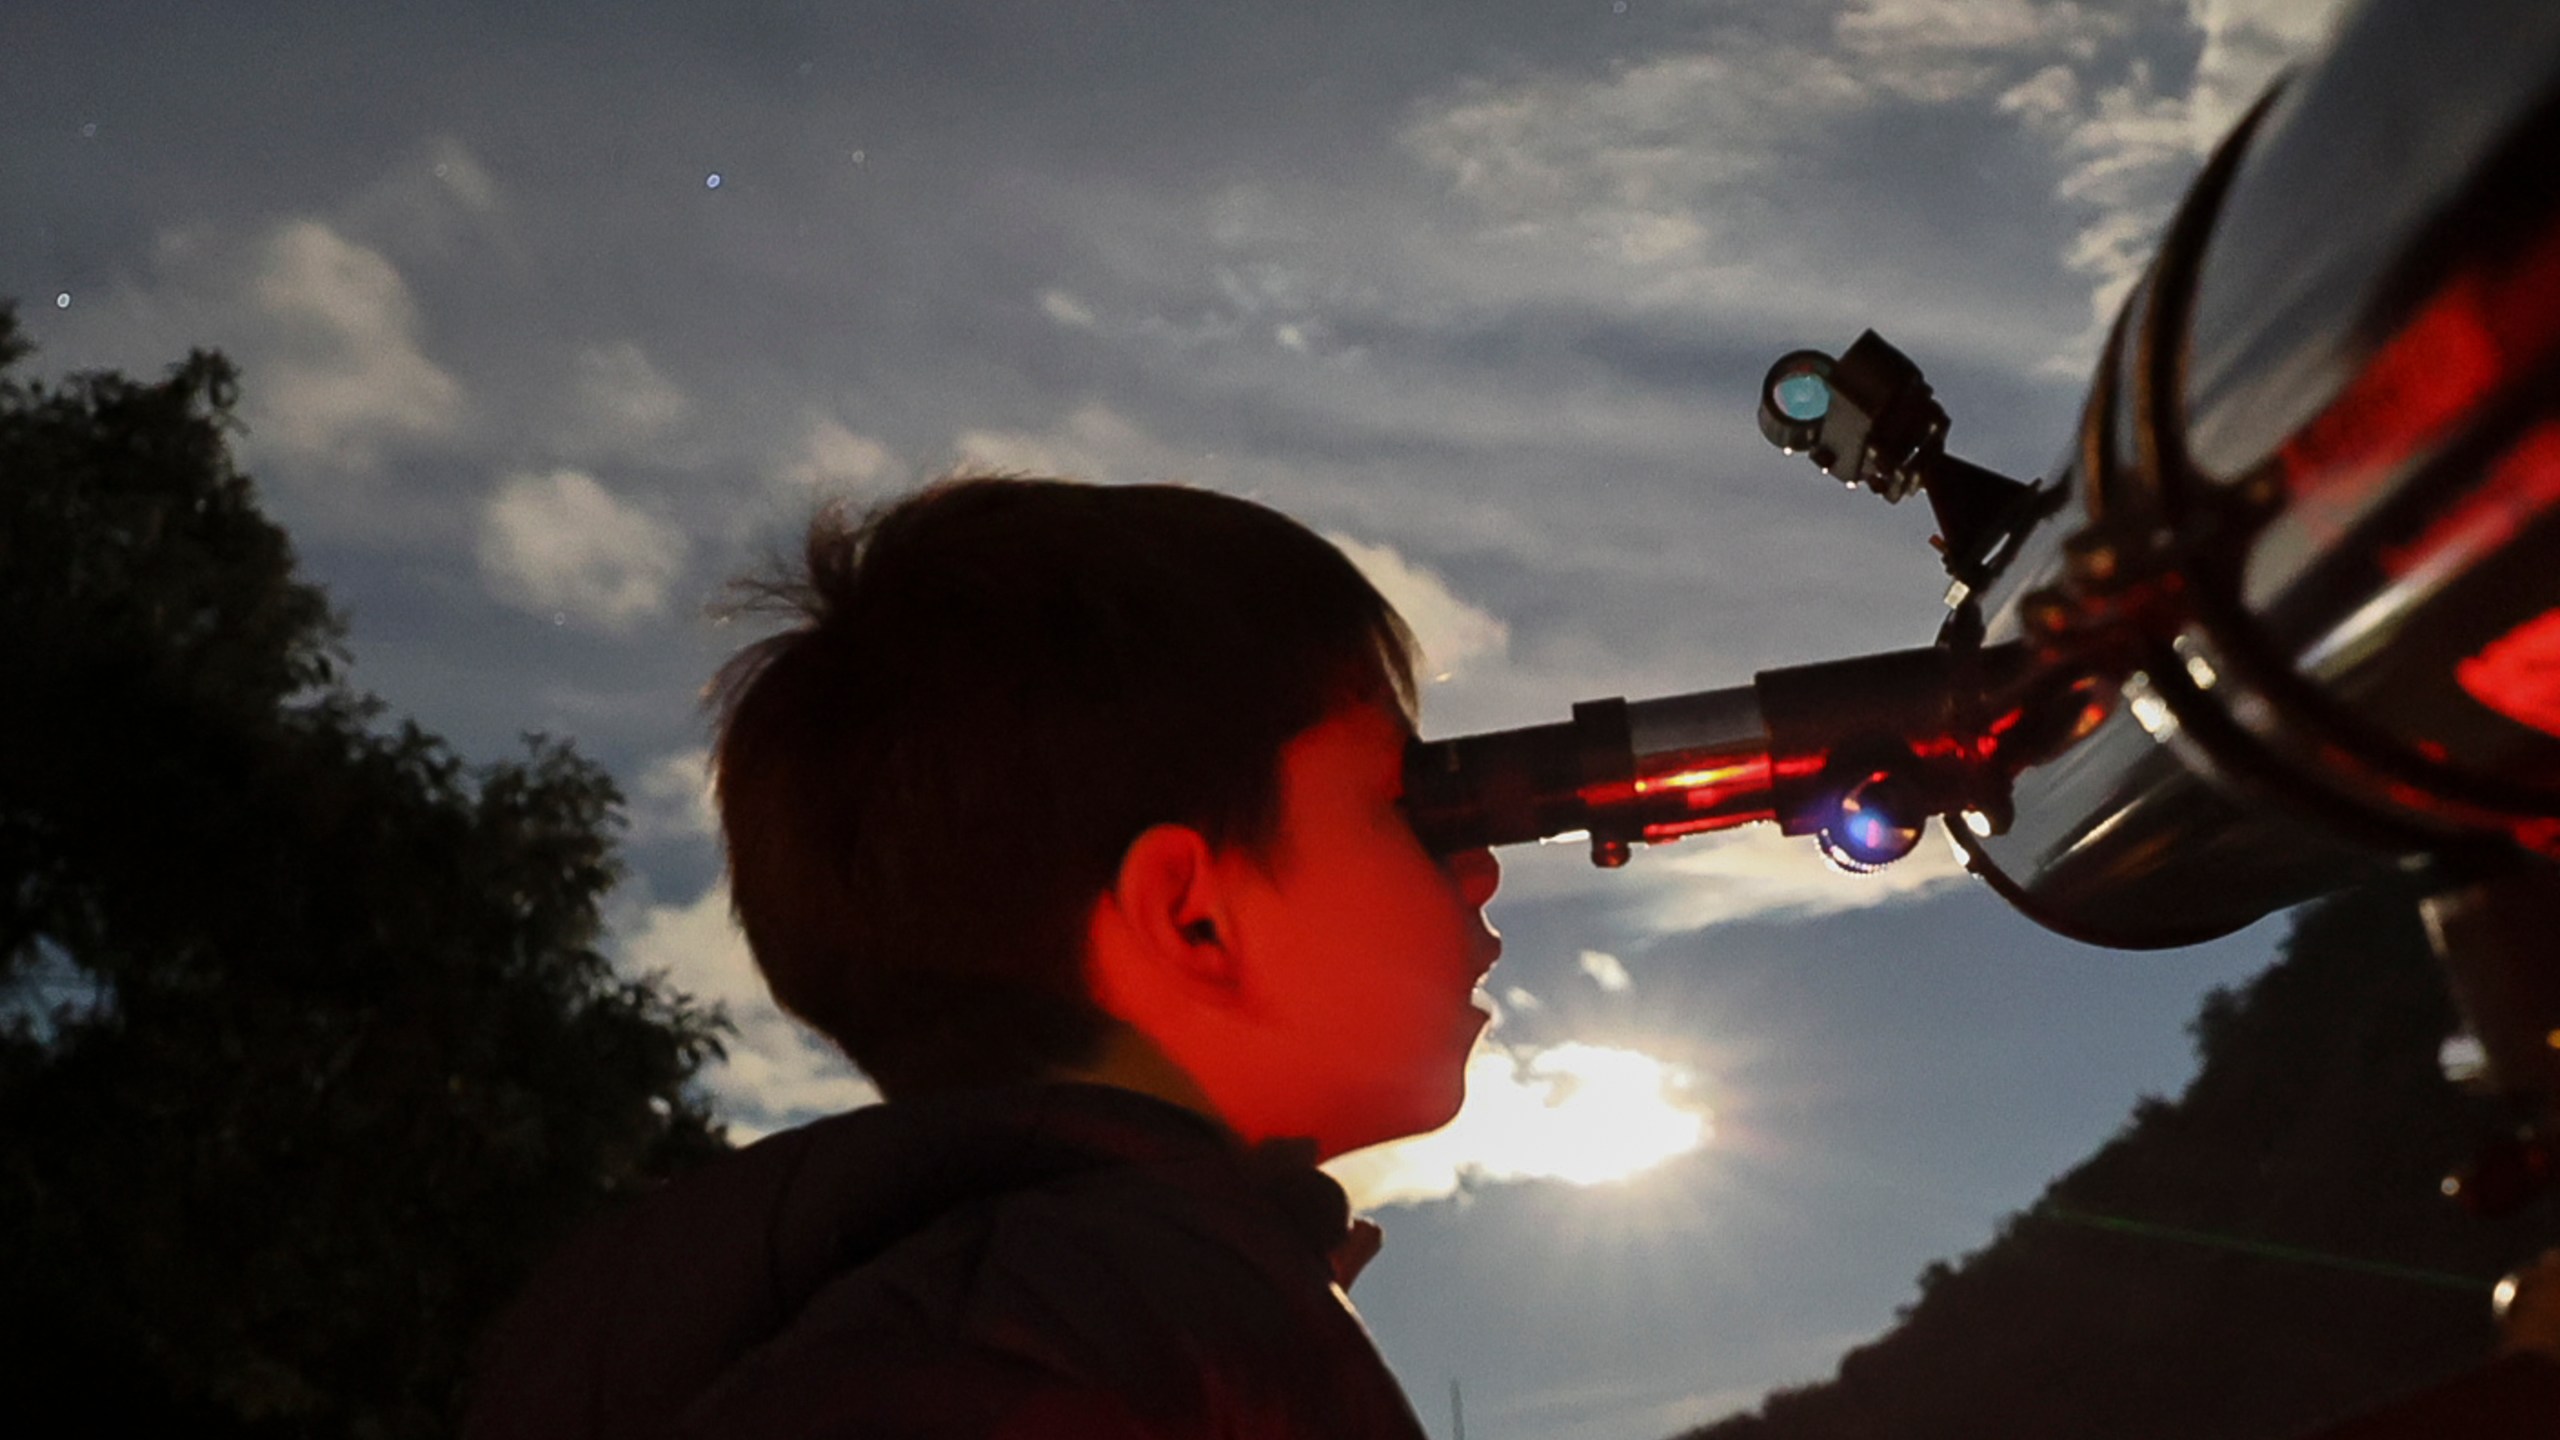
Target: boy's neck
point(1132, 1062)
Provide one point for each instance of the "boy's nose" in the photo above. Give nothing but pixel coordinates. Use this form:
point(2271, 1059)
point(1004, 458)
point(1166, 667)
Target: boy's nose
point(1477, 872)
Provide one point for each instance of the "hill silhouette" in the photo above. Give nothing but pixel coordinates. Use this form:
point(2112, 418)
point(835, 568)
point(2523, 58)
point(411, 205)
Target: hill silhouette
point(2267, 1253)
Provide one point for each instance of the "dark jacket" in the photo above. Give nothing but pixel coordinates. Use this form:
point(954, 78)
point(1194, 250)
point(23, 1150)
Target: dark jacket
point(1059, 1260)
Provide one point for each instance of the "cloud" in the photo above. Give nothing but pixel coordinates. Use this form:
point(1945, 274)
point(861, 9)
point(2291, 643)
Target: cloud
point(1704, 170)
point(429, 203)
point(831, 458)
point(623, 397)
point(671, 799)
point(1519, 998)
point(1742, 171)
point(341, 374)
point(1453, 633)
point(1606, 971)
point(2246, 44)
point(778, 1072)
point(1583, 1114)
point(2130, 147)
point(1066, 310)
point(1755, 872)
point(1628, 166)
point(561, 544)
point(1938, 51)
point(1671, 163)
point(1093, 442)
point(2048, 98)
point(461, 175)
point(2131, 152)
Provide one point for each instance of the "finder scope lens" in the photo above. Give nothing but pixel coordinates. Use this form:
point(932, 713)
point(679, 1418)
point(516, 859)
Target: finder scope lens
point(1795, 399)
point(1802, 397)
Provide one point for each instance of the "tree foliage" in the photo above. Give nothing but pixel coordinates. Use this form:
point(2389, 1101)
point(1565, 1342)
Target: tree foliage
point(2185, 1280)
point(310, 1050)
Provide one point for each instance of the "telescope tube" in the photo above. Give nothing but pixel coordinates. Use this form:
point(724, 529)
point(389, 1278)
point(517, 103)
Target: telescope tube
point(2310, 533)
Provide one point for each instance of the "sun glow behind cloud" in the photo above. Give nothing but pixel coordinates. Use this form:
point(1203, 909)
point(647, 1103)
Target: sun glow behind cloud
point(1584, 1114)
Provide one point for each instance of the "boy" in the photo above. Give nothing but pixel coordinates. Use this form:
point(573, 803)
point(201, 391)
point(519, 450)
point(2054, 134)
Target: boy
point(1072, 814)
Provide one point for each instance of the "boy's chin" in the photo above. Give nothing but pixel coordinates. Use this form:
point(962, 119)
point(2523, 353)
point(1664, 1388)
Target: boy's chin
point(1430, 1109)
point(1404, 1116)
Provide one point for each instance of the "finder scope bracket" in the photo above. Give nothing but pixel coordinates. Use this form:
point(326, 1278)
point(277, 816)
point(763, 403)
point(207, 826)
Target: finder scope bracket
point(1869, 418)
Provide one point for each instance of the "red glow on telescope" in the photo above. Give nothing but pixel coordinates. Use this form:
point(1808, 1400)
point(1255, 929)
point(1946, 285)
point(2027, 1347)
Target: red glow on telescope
point(2518, 674)
point(2480, 328)
point(2525, 485)
point(1753, 772)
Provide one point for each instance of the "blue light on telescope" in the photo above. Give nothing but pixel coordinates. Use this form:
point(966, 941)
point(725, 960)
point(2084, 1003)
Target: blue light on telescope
point(1866, 833)
point(1802, 397)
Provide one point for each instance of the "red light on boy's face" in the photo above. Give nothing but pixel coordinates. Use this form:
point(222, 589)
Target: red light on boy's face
point(1361, 950)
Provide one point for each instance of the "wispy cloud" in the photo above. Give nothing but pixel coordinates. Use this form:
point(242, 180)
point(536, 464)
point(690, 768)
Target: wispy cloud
point(1606, 971)
point(434, 201)
point(1944, 50)
point(560, 544)
point(1672, 172)
point(2246, 44)
point(2130, 143)
point(1066, 309)
point(623, 399)
point(1628, 167)
point(1093, 442)
point(1453, 633)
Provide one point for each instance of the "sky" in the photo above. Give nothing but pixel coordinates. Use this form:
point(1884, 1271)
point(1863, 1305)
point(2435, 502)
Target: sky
point(552, 318)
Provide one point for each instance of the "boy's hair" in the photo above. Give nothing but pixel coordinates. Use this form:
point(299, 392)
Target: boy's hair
point(993, 686)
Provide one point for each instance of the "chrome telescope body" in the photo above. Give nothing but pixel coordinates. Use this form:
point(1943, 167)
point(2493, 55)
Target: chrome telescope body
point(2310, 529)
point(2285, 615)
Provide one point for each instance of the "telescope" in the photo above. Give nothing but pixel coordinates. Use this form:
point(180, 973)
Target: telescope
point(2285, 615)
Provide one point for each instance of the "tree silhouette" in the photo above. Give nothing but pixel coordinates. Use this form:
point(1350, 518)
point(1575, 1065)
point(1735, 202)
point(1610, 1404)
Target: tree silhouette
point(309, 1050)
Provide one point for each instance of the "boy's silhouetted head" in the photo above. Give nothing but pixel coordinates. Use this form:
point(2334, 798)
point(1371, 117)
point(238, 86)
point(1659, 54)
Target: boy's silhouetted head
point(1058, 780)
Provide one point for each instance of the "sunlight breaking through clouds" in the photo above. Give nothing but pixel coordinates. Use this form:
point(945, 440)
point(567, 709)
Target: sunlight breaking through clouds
point(1580, 1113)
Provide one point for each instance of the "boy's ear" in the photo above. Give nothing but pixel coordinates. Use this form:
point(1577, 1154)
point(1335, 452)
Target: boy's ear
point(1163, 924)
